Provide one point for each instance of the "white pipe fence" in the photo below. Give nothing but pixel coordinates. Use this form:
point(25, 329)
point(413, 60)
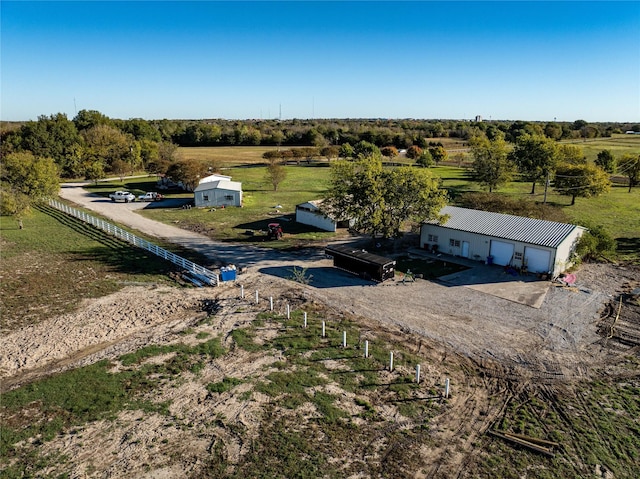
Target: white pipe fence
point(201, 273)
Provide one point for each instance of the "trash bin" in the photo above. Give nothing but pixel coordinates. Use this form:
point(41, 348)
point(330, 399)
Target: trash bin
point(489, 259)
point(228, 273)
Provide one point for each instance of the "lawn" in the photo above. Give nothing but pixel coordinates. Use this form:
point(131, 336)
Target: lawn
point(617, 144)
point(82, 262)
point(261, 205)
point(618, 211)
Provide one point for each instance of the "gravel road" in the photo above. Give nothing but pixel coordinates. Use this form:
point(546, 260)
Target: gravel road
point(559, 338)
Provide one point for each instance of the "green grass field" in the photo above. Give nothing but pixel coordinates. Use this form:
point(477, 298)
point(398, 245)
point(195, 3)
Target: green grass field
point(618, 210)
point(82, 262)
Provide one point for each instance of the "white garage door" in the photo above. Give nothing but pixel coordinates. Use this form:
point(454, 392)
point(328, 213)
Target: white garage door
point(502, 252)
point(537, 260)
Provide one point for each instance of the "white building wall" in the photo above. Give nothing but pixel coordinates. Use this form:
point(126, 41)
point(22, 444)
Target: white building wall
point(479, 246)
point(217, 197)
point(565, 251)
point(316, 220)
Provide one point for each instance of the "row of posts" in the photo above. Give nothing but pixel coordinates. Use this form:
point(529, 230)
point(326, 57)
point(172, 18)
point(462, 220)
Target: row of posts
point(344, 339)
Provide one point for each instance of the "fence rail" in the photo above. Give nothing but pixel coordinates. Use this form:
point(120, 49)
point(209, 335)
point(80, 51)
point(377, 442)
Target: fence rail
point(201, 273)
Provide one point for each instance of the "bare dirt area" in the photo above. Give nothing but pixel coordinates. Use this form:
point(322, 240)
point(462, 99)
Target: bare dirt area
point(414, 433)
point(212, 384)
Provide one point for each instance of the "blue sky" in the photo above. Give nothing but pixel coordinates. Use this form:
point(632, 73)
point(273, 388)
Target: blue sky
point(239, 60)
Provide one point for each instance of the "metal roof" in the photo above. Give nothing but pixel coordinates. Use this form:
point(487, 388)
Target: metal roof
point(510, 227)
point(220, 185)
point(361, 254)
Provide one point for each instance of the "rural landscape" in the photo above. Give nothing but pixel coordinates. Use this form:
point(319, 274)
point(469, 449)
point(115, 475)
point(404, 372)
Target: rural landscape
point(117, 363)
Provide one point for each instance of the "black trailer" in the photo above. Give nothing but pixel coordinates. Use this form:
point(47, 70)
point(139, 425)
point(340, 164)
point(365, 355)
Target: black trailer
point(359, 262)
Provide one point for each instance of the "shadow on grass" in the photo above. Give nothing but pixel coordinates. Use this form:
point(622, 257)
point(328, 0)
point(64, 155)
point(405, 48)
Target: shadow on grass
point(629, 246)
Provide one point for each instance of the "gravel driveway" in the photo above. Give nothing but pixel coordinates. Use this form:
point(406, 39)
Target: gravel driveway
point(559, 338)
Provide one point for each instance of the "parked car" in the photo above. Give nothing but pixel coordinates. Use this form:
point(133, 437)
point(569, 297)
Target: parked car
point(122, 196)
point(151, 196)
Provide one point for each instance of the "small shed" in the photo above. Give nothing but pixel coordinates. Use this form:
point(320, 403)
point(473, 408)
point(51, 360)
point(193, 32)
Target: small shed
point(540, 246)
point(312, 214)
point(218, 190)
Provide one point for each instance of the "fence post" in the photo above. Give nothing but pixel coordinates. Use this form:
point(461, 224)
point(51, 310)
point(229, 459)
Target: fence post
point(323, 329)
point(344, 339)
point(446, 388)
point(366, 348)
point(256, 296)
point(305, 320)
point(418, 374)
point(271, 303)
point(391, 361)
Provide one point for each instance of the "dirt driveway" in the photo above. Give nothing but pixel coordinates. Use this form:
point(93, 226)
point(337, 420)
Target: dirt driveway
point(559, 338)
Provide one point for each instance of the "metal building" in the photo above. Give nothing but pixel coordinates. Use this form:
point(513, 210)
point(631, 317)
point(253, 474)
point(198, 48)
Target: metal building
point(540, 246)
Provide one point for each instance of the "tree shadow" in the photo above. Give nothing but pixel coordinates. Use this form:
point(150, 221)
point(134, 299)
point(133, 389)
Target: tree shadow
point(628, 246)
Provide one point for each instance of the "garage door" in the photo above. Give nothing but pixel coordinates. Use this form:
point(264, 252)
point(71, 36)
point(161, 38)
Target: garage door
point(537, 260)
point(502, 252)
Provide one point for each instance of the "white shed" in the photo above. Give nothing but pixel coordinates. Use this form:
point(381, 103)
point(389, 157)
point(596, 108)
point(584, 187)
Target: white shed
point(218, 190)
point(539, 245)
point(311, 213)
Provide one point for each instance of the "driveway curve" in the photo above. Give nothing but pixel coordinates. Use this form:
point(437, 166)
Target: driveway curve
point(218, 252)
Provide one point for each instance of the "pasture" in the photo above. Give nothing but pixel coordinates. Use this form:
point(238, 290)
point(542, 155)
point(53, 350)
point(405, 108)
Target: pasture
point(618, 210)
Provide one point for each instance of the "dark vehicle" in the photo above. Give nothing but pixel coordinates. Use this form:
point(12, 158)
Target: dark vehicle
point(274, 231)
point(358, 261)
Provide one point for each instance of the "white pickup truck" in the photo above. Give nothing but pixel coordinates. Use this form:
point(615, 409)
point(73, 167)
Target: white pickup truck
point(151, 196)
point(122, 196)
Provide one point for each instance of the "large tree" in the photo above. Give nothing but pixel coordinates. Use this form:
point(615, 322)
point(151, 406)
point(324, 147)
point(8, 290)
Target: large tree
point(491, 164)
point(379, 200)
point(581, 180)
point(54, 137)
point(276, 173)
point(535, 157)
point(606, 161)
point(26, 179)
point(187, 171)
point(629, 166)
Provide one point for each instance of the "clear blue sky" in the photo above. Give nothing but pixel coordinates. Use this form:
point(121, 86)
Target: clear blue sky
point(237, 60)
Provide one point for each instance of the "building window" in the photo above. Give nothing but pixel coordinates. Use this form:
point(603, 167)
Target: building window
point(454, 243)
point(205, 197)
point(517, 255)
point(228, 197)
point(432, 239)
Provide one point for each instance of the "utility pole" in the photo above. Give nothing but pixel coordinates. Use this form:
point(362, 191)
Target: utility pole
point(546, 186)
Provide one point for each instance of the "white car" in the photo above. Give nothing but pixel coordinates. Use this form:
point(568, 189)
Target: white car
point(151, 196)
point(122, 196)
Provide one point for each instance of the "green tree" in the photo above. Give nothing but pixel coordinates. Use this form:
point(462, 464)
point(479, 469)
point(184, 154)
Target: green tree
point(606, 161)
point(439, 154)
point(26, 179)
point(582, 180)
point(364, 149)
point(553, 131)
point(380, 201)
point(572, 154)
point(346, 151)
point(629, 166)
point(491, 164)
point(329, 152)
point(535, 157)
point(275, 174)
point(410, 195)
point(187, 171)
point(86, 119)
point(425, 159)
point(106, 144)
point(54, 137)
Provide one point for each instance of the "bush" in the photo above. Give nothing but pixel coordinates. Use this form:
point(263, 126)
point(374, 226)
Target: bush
point(595, 242)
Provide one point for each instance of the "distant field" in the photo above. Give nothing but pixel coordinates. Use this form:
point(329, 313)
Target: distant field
point(619, 145)
point(228, 156)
